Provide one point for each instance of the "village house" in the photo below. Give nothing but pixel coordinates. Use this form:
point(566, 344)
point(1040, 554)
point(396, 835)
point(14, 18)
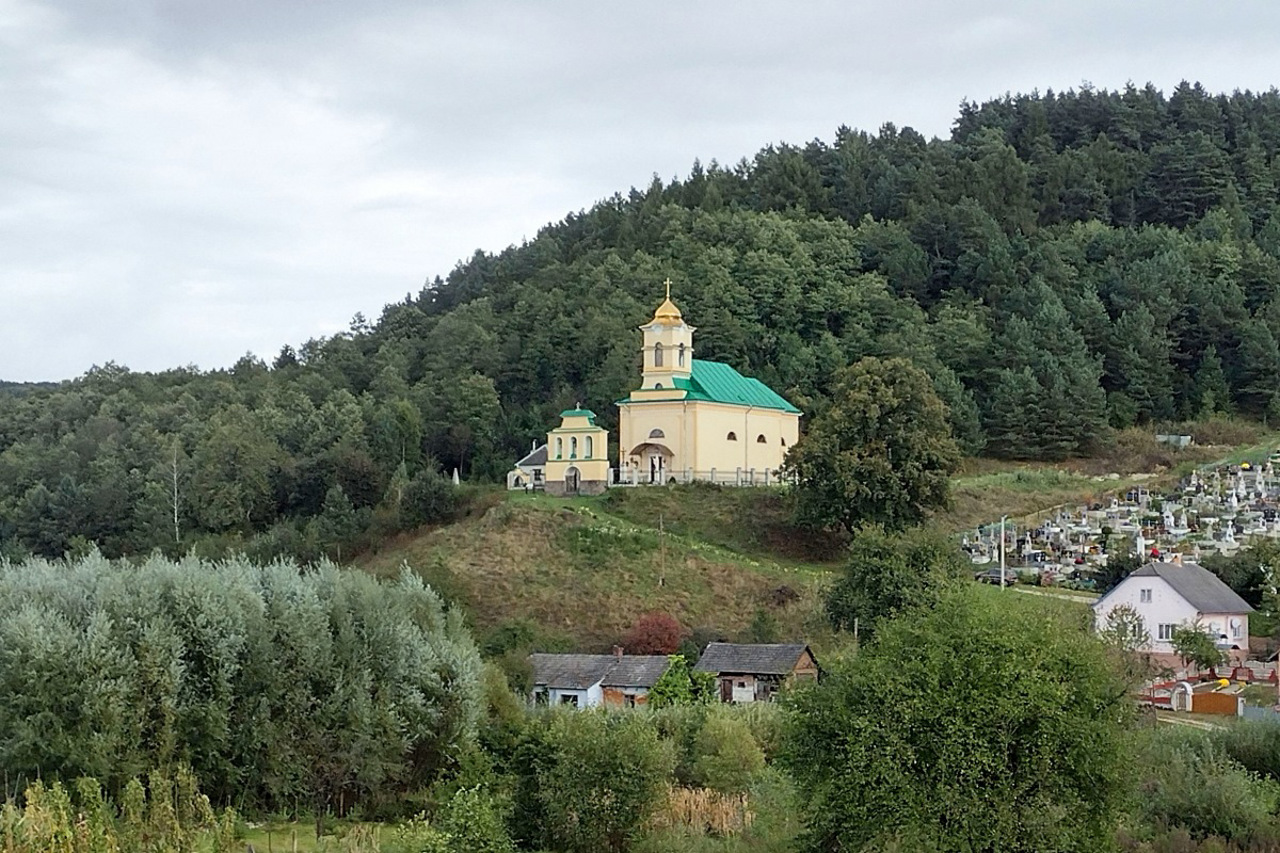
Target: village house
point(1168, 595)
point(588, 681)
point(754, 672)
point(530, 472)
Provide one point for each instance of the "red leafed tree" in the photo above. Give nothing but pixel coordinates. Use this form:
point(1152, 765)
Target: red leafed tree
point(654, 634)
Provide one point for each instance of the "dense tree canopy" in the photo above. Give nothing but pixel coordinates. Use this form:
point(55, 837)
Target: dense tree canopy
point(275, 686)
point(976, 725)
point(1062, 264)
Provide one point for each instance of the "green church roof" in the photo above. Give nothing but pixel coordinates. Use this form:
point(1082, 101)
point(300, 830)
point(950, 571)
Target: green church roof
point(579, 413)
point(719, 383)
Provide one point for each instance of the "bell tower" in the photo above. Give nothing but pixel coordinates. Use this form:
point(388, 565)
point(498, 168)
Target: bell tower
point(668, 347)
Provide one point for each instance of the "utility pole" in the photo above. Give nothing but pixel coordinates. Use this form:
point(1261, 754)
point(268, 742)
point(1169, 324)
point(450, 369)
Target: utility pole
point(177, 533)
point(1003, 519)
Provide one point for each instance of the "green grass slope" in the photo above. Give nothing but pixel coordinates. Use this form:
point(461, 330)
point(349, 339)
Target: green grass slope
point(583, 570)
point(577, 573)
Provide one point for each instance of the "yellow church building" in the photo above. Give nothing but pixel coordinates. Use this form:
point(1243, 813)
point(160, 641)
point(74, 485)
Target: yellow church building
point(692, 419)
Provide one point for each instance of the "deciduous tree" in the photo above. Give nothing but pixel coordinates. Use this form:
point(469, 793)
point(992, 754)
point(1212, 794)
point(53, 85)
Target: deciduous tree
point(881, 454)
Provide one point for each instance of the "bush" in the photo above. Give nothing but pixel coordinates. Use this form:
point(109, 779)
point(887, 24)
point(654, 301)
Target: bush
point(1191, 783)
point(430, 498)
point(654, 634)
point(729, 759)
point(1254, 745)
point(598, 780)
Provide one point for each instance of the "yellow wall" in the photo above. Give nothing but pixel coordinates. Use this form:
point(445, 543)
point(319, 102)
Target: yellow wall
point(593, 467)
point(671, 337)
point(696, 433)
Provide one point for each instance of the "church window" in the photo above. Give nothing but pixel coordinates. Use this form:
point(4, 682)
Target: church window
point(733, 436)
point(573, 448)
point(559, 447)
point(589, 447)
point(784, 442)
point(657, 433)
point(760, 439)
point(657, 386)
point(680, 358)
point(657, 355)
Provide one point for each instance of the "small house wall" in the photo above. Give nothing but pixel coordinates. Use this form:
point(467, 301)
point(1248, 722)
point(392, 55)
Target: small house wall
point(616, 697)
point(588, 698)
point(1220, 623)
point(1166, 607)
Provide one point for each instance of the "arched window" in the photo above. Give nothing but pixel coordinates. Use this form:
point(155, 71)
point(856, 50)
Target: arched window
point(784, 442)
point(587, 455)
point(733, 436)
point(680, 359)
point(657, 355)
point(760, 439)
point(559, 447)
point(657, 433)
point(573, 447)
point(657, 386)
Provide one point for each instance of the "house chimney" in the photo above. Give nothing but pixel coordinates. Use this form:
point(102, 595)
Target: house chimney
point(617, 652)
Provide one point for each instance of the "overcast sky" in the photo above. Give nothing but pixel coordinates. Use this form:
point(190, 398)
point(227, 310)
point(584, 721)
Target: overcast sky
point(184, 181)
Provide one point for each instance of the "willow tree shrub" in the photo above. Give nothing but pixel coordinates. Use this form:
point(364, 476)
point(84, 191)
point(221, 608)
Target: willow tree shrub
point(278, 686)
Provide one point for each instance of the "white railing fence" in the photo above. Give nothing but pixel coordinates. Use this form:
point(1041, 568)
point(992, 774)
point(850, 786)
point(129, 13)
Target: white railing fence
point(733, 477)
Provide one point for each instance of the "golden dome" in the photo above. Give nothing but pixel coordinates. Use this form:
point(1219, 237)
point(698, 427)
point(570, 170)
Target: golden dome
point(668, 314)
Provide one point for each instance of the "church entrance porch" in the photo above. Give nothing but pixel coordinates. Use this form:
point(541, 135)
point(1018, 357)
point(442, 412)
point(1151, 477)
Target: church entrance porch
point(651, 464)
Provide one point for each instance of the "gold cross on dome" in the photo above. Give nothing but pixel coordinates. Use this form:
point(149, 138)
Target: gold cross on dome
point(668, 284)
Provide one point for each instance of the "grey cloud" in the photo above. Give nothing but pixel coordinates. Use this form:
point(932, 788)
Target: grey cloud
point(181, 181)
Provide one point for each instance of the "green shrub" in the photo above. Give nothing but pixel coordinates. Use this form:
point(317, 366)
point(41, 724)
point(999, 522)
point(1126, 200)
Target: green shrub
point(430, 498)
point(600, 778)
point(1191, 783)
point(1255, 745)
point(729, 759)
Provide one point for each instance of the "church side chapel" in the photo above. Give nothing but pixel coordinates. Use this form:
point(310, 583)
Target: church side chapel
point(690, 419)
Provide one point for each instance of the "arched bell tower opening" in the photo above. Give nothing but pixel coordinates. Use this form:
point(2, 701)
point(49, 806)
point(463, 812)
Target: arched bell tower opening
point(668, 346)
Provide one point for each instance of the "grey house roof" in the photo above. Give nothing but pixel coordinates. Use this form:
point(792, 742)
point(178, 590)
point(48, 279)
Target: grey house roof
point(578, 672)
point(535, 458)
point(751, 658)
point(1202, 589)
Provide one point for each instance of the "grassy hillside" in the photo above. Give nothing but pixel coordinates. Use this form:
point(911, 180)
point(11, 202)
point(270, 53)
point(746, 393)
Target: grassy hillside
point(582, 570)
point(576, 573)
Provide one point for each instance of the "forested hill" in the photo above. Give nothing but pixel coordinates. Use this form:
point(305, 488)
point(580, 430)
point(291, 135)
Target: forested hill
point(1062, 263)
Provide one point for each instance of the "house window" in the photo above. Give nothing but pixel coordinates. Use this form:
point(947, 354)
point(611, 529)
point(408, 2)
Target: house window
point(760, 439)
point(657, 433)
point(1237, 630)
point(559, 447)
point(573, 448)
point(680, 357)
point(733, 436)
point(657, 355)
point(570, 700)
point(1164, 631)
point(587, 455)
point(629, 700)
point(1144, 596)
